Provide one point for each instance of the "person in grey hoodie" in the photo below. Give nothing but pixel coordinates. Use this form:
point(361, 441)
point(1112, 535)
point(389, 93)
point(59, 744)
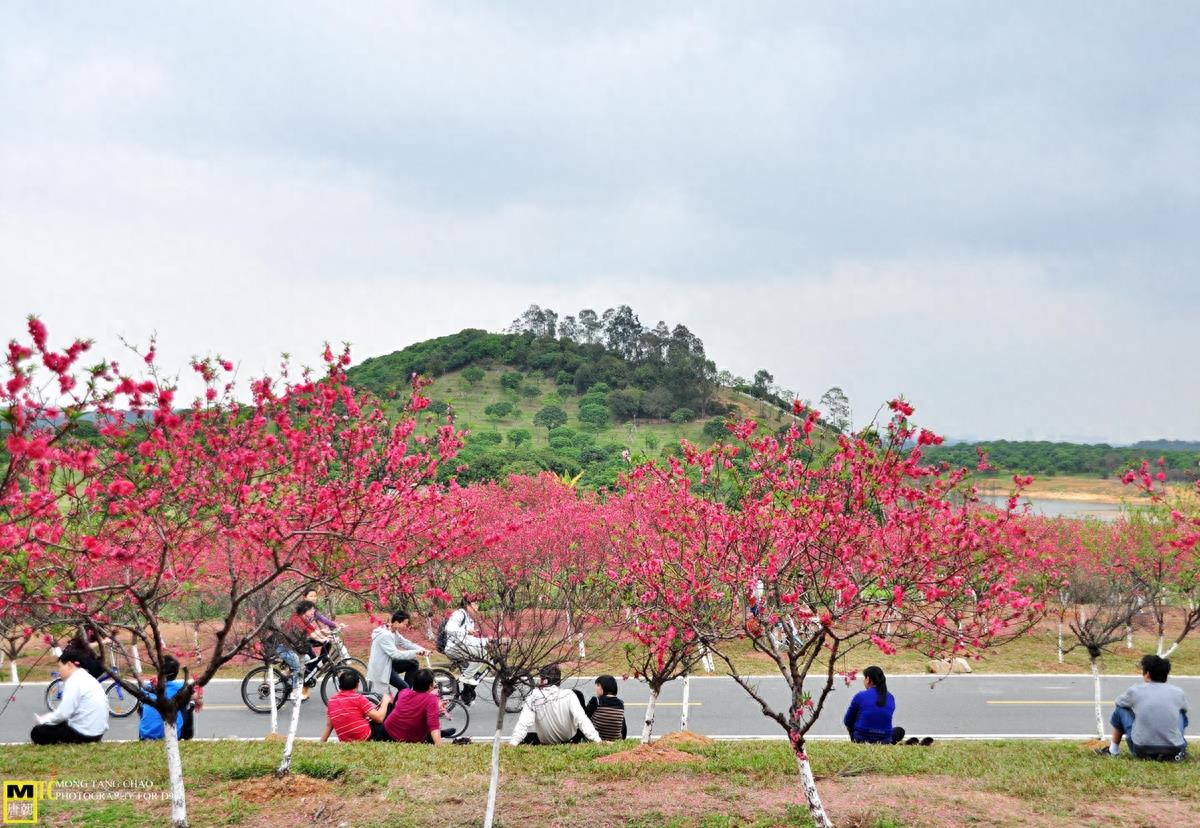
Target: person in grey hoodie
point(392, 655)
point(1151, 716)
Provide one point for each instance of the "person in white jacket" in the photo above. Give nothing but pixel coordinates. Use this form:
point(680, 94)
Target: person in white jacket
point(463, 645)
point(392, 655)
point(82, 714)
point(552, 716)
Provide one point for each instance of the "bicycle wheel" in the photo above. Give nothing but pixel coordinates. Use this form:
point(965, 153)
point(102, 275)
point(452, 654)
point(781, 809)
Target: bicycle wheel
point(121, 702)
point(446, 684)
point(54, 694)
point(522, 685)
point(329, 684)
point(456, 717)
point(256, 690)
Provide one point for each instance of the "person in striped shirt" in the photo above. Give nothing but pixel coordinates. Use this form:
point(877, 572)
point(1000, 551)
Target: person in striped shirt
point(606, 711)
point(351, 715)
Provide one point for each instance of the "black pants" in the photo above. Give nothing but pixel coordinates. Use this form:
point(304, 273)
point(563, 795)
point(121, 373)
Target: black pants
point(404, 672)
point(531, 738)
point(59, 734)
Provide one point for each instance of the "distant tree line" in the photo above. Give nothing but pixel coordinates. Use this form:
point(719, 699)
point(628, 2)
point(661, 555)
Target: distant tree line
point(1039, 457)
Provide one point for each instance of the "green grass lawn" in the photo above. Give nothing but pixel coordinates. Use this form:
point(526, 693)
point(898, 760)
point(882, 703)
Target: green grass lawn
point(993, 783)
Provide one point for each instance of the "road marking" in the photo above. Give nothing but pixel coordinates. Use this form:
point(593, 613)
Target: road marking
point(664, 704)
point(1031, 701)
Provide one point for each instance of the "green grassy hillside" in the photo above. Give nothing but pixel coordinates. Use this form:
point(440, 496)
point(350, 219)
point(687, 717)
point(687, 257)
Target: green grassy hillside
point(493, 451)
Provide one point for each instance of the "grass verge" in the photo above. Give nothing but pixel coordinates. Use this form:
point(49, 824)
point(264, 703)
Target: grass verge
point(978, 783)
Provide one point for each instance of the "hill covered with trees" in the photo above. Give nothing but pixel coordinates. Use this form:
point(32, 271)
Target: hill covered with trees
point(574, 394)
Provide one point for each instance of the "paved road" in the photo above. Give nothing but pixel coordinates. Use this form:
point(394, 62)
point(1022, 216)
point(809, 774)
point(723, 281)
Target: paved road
point(965, 706)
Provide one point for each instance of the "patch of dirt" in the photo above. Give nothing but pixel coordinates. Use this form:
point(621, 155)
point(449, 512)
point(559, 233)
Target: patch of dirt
point(656, 752)
point(266, 788)
point(933, 801)
point(685, 737)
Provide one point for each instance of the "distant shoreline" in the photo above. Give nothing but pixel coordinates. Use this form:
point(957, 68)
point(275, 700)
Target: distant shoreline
point(1076, 489)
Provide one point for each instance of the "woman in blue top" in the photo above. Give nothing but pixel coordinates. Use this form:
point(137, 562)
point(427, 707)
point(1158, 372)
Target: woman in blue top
point(869, 717)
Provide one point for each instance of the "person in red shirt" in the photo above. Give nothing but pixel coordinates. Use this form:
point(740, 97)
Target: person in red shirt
point(416, 716)
point(351, 715)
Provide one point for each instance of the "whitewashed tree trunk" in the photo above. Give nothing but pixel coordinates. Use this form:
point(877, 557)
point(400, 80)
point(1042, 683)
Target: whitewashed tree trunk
point(489, 816)
point(175, 774)
point(1169, 650)
point(648, 725)
point(687, 693)
point(137, 661)
point(582, 648)
point(707, 661)
point(1159, 650)
point(428, 663)
point(1128, 637)
point(12, 668)
point(1096, 688)
point(297, 702)
point(429, 632)
point(815, 809)
point(1060, 642)
point(274, 699)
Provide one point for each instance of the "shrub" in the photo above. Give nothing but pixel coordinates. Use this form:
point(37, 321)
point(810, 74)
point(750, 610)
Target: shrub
point(715, 429)
point(530, 392)
point(511, 380)
point(593, 415)
point(682, 415)
point(499, 410)
point(487, 438)
point(473, 374)
point(518, 436)
point(550, 417)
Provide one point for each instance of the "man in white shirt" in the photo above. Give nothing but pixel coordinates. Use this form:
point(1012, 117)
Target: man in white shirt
point(552, 716)
point(82, 714)
point(391, 652)
point(462, 644)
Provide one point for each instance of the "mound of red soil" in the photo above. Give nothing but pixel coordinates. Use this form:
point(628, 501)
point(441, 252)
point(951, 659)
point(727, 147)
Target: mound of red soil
point(268, 788)
point(655, 752)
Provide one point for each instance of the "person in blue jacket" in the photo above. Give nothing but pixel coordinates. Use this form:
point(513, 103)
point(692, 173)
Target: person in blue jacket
point(869, 717)
point(151, 724)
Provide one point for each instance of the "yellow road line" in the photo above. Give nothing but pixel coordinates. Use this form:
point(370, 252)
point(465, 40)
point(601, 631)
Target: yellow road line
point(996, 701)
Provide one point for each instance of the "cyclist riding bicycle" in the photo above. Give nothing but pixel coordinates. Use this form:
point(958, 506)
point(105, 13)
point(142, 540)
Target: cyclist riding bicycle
point(463, 645)
point(291, 644)
point(393, 659)
point(323, 626)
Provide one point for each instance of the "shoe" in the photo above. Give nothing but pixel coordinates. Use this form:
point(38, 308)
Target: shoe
point(927, 741)
point(1103, 751)
point(304, 694)
point(461, 740)
point(467, 696)
point(912, 740)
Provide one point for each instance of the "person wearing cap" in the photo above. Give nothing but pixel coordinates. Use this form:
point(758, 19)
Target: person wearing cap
point(462, 644)
point(82, 714)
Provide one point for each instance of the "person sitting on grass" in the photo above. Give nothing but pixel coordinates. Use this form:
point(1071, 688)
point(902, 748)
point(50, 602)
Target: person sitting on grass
point(351, 715)
point(869, 717)
point(416, 714)
point(1151, 716)
point(606, 711)
point(551, 715)
point(82, 713)
point(151, 725)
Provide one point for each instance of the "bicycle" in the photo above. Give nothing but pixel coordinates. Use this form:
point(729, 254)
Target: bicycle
point(445, 679)
point(454, 715)
point(121, 702)
point(256, 686)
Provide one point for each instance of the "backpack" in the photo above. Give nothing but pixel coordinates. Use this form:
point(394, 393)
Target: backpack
point(440, 639)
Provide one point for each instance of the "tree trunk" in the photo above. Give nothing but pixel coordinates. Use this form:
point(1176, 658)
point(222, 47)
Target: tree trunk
point(1099, 711)
point(582, 649)
point(12, 667)
point(175, 773)
point(707, 660)
point(137, 661)
point(297, 702)
point(1159, 650)
point(815, 809)
point(489, 816)
point(1128, 636)
point(429, 633)
point(687, 688)
point(1170, 650)
point(1060, 643)
point(274, 700)
point(649, 723)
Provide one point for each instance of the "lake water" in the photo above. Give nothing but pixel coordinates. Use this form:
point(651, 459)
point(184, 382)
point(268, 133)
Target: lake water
point(1049, 507)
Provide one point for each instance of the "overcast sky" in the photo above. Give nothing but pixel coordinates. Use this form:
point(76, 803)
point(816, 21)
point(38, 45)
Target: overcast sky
point(993, 209)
